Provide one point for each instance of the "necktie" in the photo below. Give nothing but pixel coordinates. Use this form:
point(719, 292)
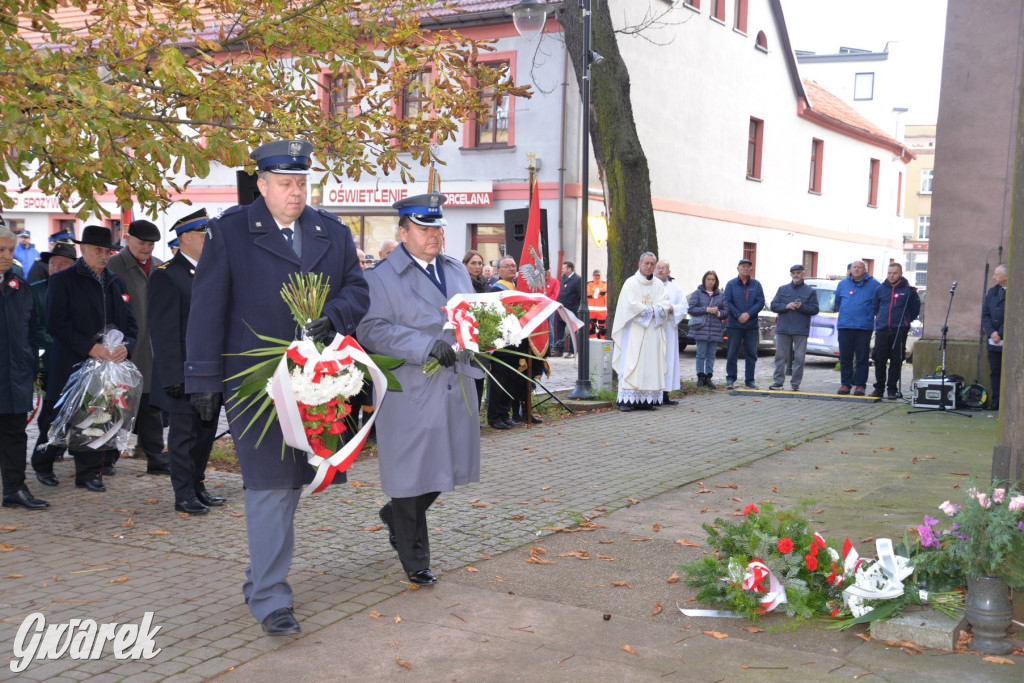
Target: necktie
point(288, 232)
point(432, 273)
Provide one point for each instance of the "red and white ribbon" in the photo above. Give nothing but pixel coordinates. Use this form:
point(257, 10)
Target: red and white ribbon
point(341, 351)
point(538, 309)
point(753, 580)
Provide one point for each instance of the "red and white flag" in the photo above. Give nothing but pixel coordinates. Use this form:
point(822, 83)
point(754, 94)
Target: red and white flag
point(531, 270)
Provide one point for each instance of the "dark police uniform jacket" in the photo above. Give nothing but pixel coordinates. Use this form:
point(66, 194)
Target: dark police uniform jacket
point(237, 293)
point(170, 299)
point(78, 309)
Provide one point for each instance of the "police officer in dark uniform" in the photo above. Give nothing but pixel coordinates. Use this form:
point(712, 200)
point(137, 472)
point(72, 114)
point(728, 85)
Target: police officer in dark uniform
point(189, 438)
point(250, 252)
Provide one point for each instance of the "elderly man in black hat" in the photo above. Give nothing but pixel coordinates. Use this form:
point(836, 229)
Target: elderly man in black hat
point(135, 264)
point(40, 269)
point(795, 303)
point(250, 252)
point(61, 257)
point(81, 302)
point(18, 366)
point(190, 438)
point(428, 433)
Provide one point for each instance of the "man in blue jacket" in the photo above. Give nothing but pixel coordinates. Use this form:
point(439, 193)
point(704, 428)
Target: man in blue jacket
point(249, 253)
point(745, 298)
point(795, 303)
point(18, 366)
point(855, 301)
point(896, 306)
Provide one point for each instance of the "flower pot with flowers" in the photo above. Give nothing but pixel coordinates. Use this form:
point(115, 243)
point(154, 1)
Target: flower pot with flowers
point(984, 543)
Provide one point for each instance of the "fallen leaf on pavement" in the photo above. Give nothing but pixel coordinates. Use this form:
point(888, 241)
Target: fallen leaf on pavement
point(374, 614)
point(535, 556)
point(480, 505)
point(358, 484)
point(775, 489)
point(905, 645)
point(374, 528)
point(656, 527)
point(657, 609)
point(738, 500)
point(621, 584)
point(673, 579)
point(715, 634)
point(158, 532)
point(605, 542)
point(735, 438)
point(867, 539)
point(238, 514)
point(865, 636)
point(475, 500)
point(517, 517)
point(849, 490)
point(15, 576)
point(688, 544)
point(634, 501)
point(580, 554)
point(550, 500)
point(630, 650)
point(472, 569)
point(753, 629)
point(606, 558)
point(119, 580)
point(642, 538)
point(728, 485)
point(398, 619)
point(999, 660)
point(402, 663)
point(545, 488)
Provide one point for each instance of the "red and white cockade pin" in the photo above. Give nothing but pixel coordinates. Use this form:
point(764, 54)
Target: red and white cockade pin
point(13, 283)
point(125, 297)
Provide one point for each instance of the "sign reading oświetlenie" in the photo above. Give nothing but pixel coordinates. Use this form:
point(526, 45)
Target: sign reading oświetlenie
point(82, 639)
point(468, 193)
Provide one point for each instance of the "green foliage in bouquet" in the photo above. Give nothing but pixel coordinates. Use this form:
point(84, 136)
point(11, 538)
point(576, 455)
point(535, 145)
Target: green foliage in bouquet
point(809, 570)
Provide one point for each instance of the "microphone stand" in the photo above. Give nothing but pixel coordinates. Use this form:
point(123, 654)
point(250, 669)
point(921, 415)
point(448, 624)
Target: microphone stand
point(942, 346)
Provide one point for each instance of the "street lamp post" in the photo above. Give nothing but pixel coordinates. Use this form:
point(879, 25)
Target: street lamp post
point(528, 17)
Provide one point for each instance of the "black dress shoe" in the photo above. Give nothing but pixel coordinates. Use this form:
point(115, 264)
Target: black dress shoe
point(47, 478)
point(625, 408)
point(499, 424)
point(385, 516)
point(108, 470)
point(210, 501)
point(280, 622)
point(191, 506)
point(24, 499)
point(157, 466)
point(423, 577)
point(95, 485)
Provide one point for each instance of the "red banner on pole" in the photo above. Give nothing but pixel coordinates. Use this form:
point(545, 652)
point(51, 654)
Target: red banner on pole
point(531, 270)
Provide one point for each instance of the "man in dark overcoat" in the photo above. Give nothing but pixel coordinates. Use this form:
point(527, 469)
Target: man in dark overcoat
point(992, 319)
point(18, 366)
point(81, 303)
point(62, 257)
point(249, 253)
point(428, 433)
point(135, 264)
point(189, 438)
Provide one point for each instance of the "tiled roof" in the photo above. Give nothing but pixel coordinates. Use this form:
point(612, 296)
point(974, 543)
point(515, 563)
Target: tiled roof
point(828, 104)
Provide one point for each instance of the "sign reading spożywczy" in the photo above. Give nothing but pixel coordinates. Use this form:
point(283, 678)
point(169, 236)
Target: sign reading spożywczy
point(82, 639)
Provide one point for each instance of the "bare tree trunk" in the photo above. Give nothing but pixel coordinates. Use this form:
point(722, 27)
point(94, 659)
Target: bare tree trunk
point(617, 150)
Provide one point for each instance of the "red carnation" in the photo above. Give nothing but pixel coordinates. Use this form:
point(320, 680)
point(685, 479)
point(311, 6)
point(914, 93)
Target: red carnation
point(814, 549)
point(336, 427)
point(750, 508)
point(344, 409)
point(329, 416)
point(785, 546)
point(811, 562)
point(316, 429)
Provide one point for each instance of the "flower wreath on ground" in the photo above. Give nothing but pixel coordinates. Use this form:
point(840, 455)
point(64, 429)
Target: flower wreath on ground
point(484, 323)
point(773, 560)
point(305, 385)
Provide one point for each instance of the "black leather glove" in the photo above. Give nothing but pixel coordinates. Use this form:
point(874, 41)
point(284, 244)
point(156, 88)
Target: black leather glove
point(206, 404)
point(176, 391)
point(319, 329)
point(444, 353)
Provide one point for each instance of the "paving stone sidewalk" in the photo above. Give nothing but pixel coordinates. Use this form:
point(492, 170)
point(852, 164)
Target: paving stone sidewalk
point(114, 556)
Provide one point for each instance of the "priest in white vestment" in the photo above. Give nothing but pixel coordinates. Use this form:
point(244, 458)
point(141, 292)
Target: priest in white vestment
point(680, 304)
point(641, 313)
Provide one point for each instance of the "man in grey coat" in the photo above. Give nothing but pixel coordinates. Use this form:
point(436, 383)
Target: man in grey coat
point(428, 434)
point(135, 263)
point(795, 303)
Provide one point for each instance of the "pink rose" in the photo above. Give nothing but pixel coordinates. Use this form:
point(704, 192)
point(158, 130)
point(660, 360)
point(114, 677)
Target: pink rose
point(1017, 502)
point(948, 508)
point(998, 495)
point(983, 500)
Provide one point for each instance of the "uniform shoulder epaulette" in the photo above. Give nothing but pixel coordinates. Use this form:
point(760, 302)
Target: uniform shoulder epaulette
point(228, 211)
point(163, 265)
point(327, 214)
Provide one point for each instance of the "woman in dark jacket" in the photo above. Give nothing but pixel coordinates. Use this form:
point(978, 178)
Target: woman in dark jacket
point(474, 263)
point(707, 301)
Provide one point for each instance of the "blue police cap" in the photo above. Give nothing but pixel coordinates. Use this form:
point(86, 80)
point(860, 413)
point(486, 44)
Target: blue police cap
point(283, 156)
point(174, 244)
point(65, 237)
point(194, 221)
point(423, 209)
